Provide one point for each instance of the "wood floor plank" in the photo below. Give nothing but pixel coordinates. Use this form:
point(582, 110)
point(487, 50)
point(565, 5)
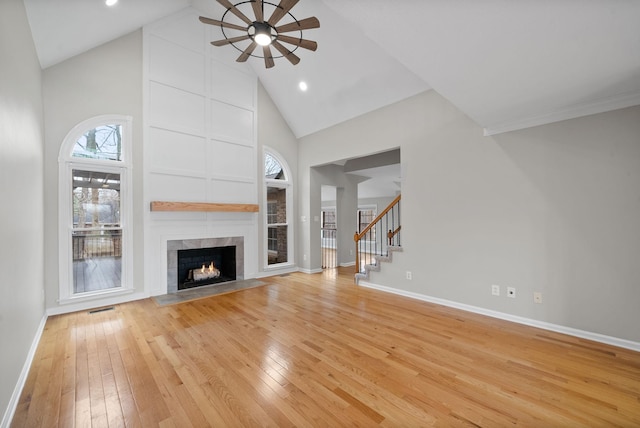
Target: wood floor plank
point(317, 350)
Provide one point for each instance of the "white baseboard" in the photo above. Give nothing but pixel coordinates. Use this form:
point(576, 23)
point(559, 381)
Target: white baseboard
point(310, 271)
point(15, 397)
point(596, 337)
point(348, 264)
point(276, 272)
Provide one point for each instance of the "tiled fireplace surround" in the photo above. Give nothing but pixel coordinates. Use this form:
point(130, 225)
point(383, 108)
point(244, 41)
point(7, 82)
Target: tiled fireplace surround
point(187, 244)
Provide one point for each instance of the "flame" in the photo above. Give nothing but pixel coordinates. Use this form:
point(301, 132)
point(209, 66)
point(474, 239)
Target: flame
point(202, 270)
point(211, 267)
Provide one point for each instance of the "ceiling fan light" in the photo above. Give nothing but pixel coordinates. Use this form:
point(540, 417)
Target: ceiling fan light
point(260, 32)
point(262, 39)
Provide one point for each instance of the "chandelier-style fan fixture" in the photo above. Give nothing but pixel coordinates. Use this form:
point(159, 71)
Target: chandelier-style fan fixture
point(264, 31)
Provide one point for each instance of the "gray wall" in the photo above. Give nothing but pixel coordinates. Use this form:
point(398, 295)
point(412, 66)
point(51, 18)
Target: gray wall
point(104, 80)
point(553, 209)
point(274, 133)
point(21, 215)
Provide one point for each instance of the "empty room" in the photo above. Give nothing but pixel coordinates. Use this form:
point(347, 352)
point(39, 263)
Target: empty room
point(319, 213)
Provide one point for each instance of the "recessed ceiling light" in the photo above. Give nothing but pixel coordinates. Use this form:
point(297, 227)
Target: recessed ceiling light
point(303, 86)
point(110, 2)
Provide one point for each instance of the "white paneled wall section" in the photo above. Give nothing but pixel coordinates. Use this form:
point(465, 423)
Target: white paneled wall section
point(200, 142)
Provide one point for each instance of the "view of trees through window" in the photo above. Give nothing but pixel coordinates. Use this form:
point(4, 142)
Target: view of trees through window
point(96, 199)
point(272, 168)
point(102, 142)
point(97, 232)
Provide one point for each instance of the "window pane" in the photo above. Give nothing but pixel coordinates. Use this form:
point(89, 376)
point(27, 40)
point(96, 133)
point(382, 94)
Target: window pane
point(96, 236)
point(277, 244)
point(97, 260)
point(103, 142)
point(96, 199)
point(276, 205)
point(272, 168)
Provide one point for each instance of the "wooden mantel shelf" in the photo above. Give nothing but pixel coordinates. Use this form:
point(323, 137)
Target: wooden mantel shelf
point(202, 207)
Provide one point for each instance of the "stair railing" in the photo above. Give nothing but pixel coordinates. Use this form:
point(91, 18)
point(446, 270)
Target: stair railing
point(375, 239)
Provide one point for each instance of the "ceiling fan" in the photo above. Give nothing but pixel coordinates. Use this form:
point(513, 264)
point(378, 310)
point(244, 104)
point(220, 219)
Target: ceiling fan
point(263, 31)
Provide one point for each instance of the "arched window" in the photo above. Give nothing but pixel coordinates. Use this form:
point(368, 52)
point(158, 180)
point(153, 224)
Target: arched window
point(95, 209)
point(278, 208)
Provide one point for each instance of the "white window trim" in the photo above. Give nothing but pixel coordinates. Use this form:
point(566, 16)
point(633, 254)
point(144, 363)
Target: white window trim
point(280, 184)
point(66, 163)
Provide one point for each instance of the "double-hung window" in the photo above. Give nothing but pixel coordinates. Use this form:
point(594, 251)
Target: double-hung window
point(95, 209)
point(278, 210)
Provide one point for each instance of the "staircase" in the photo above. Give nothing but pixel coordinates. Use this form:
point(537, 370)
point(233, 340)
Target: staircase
point(377, 242)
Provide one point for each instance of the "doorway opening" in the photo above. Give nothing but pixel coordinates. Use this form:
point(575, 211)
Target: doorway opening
point(329, 228)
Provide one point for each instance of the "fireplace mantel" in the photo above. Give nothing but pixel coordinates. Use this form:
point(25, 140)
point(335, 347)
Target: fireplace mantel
point(202, 207)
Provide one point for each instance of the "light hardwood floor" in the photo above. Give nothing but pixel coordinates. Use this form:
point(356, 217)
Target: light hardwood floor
point(317, 350)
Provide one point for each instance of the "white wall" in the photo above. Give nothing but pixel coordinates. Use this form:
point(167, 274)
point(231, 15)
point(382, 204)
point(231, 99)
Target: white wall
point(200, 141)
point(552, 209)
point(21, 193)
point(104, 80)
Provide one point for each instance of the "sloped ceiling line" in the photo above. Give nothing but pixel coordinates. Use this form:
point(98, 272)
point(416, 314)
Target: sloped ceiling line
point(507, 65)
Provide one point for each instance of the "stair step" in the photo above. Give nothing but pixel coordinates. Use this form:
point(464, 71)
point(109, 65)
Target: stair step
point(376, 268)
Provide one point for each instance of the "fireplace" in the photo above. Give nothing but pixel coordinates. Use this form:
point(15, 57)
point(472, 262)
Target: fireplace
point(186, 257)
point(204, 266)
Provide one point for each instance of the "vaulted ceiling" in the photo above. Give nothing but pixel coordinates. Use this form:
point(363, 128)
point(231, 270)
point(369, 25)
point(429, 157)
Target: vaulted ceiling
point(507, 64)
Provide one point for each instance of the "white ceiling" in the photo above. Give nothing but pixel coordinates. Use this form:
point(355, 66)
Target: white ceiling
point(508, 64)
point(378, 182)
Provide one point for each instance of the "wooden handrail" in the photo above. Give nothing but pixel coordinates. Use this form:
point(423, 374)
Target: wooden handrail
point(358, 236)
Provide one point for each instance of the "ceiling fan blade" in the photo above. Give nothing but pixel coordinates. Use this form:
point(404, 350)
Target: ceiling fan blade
point(210, 21)
point(257, 10)
point(268, 59)
point(293, 58)
point(303, 43)
point(247, 52)
point(231, 7)
point(281, 10)
point(229, 41)
point(305, 24)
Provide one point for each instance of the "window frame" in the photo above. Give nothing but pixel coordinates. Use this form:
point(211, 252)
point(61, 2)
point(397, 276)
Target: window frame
point(66, 164)
point(279, 183)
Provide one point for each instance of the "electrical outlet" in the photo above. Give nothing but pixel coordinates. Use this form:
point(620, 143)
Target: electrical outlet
point(409, 276)
point(304, 257)
point(537, 297)
point(511, 292)
point(495, 290)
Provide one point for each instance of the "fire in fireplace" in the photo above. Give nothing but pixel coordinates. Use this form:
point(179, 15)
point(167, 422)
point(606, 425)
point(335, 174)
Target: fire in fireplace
point(204, 266)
